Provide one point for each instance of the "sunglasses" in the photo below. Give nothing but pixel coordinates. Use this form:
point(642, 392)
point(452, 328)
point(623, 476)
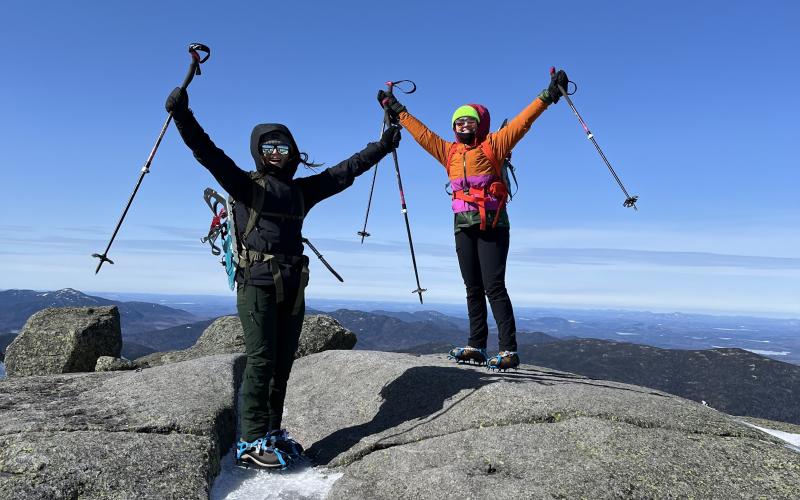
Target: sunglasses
point(463, 122)
point(268, 149)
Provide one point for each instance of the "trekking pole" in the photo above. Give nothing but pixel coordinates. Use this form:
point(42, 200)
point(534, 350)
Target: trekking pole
point(630, 201)
point(194, 69)
point(322, 259)
point(363, 233)
point(404, 209)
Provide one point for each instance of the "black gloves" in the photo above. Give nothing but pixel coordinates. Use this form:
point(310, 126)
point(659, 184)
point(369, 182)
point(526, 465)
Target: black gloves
point(390, 138)
point(177, 101)
point(388, 101)
point(552, 94)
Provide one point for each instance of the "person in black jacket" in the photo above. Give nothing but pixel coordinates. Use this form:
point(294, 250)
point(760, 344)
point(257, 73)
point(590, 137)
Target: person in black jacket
point(272, 272)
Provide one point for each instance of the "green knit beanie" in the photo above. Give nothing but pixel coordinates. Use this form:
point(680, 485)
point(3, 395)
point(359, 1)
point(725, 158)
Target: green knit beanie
point(463, 111)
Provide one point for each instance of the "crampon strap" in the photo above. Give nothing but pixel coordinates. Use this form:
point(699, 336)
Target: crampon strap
point(262, 444)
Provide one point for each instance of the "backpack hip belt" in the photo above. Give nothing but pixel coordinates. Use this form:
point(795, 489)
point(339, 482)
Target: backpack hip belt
point(479, 197)
point(249, 257)
point(497, 189)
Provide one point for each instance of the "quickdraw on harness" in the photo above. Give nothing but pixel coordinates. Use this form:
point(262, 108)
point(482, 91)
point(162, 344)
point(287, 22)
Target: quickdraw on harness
point(237, 257)
point(497, 190)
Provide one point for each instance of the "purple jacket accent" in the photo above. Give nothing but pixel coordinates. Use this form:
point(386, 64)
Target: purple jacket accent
point(476, 181)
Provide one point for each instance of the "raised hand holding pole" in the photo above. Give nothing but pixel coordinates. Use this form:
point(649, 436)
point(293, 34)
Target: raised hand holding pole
point(630, 201)
point(194, 69)
point(404, 209)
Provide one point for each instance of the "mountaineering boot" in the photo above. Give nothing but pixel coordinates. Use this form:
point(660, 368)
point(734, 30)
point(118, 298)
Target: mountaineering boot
point(260, 454)
point(504, 361)
point(468, 355)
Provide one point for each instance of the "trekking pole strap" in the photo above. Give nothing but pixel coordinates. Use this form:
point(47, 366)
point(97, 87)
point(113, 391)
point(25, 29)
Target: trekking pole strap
point(194, 67)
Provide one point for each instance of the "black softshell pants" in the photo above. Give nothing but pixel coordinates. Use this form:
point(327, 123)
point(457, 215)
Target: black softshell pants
point(271, 336)
point(482, 258)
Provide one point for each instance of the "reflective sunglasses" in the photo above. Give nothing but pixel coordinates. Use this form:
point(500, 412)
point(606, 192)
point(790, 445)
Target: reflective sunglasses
point(268, 149)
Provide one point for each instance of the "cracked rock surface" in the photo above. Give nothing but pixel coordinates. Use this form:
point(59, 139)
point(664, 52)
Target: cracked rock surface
point(402, 426)
point(156, 433)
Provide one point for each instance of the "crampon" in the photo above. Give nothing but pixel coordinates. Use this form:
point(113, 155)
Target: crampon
point(277, 450)
point(469, 355)
point(503, 361)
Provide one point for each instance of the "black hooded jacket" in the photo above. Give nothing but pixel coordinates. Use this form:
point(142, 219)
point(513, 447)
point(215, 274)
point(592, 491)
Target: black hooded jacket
point(272, 234)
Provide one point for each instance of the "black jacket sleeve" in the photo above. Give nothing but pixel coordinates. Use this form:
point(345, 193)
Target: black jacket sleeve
point(336, 179)
point(234, 180)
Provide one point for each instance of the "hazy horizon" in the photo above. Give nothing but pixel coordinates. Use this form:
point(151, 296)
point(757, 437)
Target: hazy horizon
point(410, 305)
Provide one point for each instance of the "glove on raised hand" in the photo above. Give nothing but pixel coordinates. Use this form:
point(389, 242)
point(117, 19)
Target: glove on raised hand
point(177, 101)
point(552, 93)
point(390, 138)
point(388, 101)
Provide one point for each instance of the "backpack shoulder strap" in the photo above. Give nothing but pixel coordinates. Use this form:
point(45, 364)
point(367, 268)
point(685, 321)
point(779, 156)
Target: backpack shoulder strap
point(487, 151)
point(256, 206)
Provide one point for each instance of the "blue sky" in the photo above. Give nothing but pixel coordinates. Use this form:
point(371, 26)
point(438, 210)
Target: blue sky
point(693, 103)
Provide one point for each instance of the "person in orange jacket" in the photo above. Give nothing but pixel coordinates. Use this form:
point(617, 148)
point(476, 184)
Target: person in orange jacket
point(473, 164)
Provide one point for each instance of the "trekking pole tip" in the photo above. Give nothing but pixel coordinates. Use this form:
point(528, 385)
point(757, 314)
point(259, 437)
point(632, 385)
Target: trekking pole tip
point(631, 202)
point(102, 258)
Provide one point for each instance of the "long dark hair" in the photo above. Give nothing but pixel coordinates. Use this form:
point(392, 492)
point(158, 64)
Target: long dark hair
point(303, 158)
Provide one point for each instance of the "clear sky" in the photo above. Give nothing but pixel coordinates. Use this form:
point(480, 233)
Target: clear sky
point(694, 103)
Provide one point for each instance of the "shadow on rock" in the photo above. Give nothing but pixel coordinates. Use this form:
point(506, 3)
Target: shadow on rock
point(415, 395)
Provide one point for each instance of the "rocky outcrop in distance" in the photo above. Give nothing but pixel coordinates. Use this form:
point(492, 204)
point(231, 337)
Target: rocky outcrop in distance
point(64, 340)
point(225, 335)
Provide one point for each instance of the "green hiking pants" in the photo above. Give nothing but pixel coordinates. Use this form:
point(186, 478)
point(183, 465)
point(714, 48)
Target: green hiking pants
point(271, 336)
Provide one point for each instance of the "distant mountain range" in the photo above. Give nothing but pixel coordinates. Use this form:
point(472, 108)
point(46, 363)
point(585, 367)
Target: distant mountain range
point(136, 345)
point(136, 318)
point(731, 380)
point(16, 306)
point(427, 331)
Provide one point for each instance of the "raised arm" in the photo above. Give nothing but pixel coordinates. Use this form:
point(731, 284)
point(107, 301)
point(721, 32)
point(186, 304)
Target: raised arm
point(504, 140)
point(234, 180)
point(336, 179)
point(429, 140)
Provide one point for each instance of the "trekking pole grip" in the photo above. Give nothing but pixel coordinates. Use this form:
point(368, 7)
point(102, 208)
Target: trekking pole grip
point(197, 60)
